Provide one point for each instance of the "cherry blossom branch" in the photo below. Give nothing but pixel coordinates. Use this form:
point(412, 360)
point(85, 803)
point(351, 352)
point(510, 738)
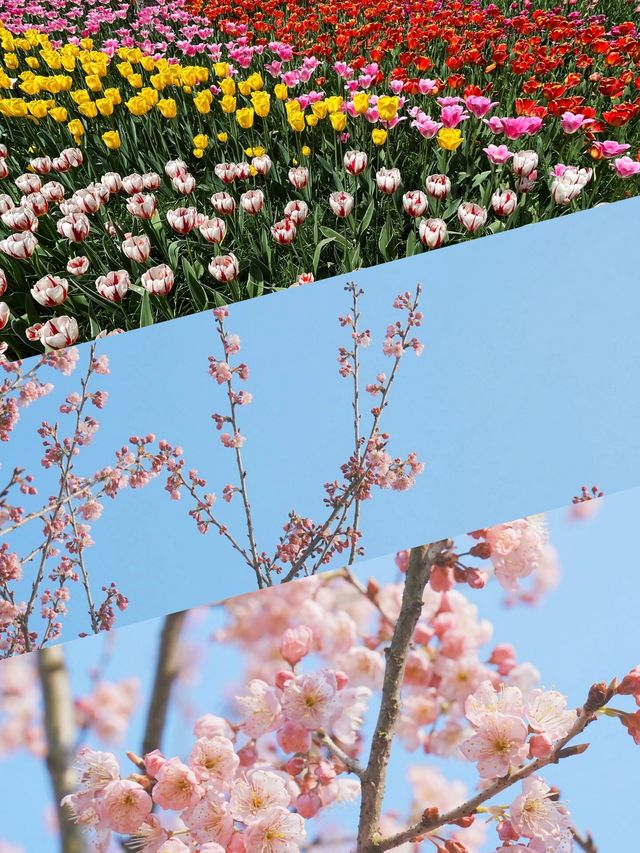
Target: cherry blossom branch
point(585, 842)
point(350, 763)
point(374, 778)
point(355, 357)
point(598, 697)
point(59, 721)
point(166, 672)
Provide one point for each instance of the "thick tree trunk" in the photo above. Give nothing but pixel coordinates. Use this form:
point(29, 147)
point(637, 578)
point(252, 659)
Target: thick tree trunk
point(60, 730)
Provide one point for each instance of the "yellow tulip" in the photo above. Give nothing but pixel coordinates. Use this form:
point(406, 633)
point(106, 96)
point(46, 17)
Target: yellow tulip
point(387, 107)
point(228, 86)
point(319, 109)
point(228, 104)
point(93, 83)
point(88, 109)
point(137, 106)
point(59, 114)
point(333, 104)
point(244, 117)
point(280, 91)
point(113, 95)
point(244, 88)
point(449, 138)
point(312, 120)
point(221, 69)
point(167, 108)
point(222, 137)
point(76, 128)
point(261, 103)
point(296, 121)
point(11, 61)
point(361, 102)
point(80, 96)
point(32, 62)
point(112, 139)
point(379, 136)
point(201, 140)
point(135, 81)
point(198, 152)
point(104, 106)
point(38, 109)
point(202, 101)
point(305, 151)
point(148, 63)
point(338, 121)
point(255, 81)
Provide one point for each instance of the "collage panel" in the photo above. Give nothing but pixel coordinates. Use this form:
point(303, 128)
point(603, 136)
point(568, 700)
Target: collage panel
point(246, 447)
point(473, 695)
point(160, 159)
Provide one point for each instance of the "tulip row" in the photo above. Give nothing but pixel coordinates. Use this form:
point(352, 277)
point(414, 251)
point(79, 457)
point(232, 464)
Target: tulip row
point(191, 185)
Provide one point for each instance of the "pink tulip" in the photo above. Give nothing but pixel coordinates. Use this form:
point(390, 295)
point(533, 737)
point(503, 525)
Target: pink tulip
point(227, 172)
point(78, 265)
point(35, 202)
point(299, 177)
point(438, 186)
point(252, 202)
point(504, 202)
point(572, 122)
point(497, 154)
point(415, 203)
point(5, 314)
point(19, 246)
point(158, 281)
point(53, 191)
point(262, 164)
point(610, 148)
point(223, 203)
point(113, 286)
point(59, 332)
point(137, 249)
point(341, 204)
point(174, 168)
point(20, 219)
point(479, 105)
point(297, 211)
point(625, 167)
point(432, 232)
point(184, 184)
point(133, 184)
point(4, 169)
point(284, 231)
point(243, 171)
point(70, 158)
point(142, 206)
point(213, 230)
point(355, 162)
point(471, 216)
point(88, 200)
point(41, 165)
point(151, 181)
point(388, 180)
point(28, 183)
point(3, 282)
point(224, 268)
point(74, 227)
point(524, 163)
point(183, 219)
point(50, 290)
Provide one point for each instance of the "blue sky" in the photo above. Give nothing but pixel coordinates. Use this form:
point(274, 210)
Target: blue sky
point(585, 631)
point(526, 390)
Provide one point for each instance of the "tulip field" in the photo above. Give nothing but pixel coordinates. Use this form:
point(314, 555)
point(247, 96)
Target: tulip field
point(160, 160)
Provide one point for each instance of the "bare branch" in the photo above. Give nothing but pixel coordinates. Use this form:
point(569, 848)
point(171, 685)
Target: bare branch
point(374, 778)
